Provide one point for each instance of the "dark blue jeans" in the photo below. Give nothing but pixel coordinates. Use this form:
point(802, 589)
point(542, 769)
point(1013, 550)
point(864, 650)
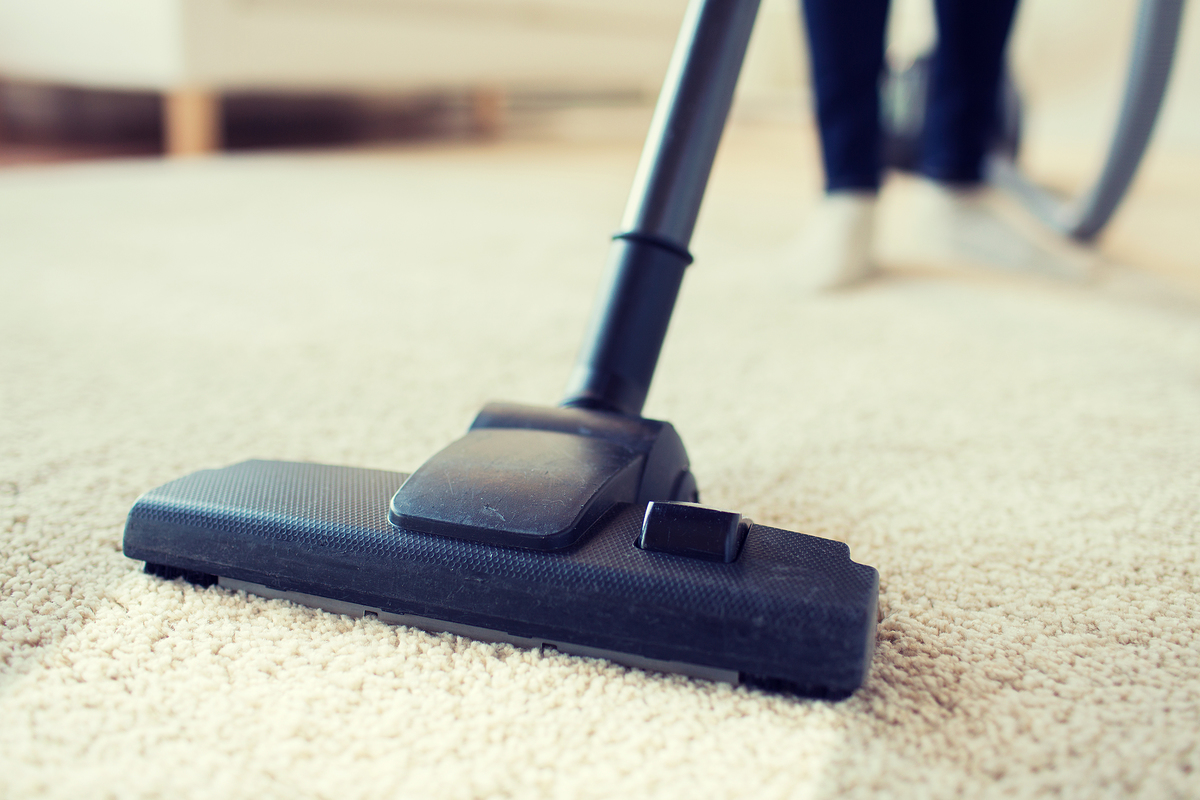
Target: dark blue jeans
point(846, 42)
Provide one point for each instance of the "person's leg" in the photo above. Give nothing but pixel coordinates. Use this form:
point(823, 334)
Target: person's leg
point(846, 41)
point(955, 220)
point(964, 87)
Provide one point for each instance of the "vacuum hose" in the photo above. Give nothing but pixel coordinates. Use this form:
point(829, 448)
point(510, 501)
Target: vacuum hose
point(1150, 67)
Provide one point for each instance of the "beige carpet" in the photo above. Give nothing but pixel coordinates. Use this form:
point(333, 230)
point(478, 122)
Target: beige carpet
point(1019, 458)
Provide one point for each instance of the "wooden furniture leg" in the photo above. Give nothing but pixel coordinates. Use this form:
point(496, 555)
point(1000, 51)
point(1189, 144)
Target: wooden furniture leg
point(488, 107)
point(3, 112)
point(191, 121)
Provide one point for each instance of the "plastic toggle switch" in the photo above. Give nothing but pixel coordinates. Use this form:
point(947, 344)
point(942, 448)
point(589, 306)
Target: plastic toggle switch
point(690, 529)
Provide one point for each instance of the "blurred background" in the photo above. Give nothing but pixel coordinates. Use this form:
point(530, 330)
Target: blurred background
point(87, 80)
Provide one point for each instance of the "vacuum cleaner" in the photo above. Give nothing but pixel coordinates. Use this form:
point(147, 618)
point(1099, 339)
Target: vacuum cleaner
point(576, 527)
point(1156, 37)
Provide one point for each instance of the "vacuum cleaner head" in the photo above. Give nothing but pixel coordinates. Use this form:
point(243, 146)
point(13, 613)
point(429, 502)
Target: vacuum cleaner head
point(646, 581)
point(572, 527)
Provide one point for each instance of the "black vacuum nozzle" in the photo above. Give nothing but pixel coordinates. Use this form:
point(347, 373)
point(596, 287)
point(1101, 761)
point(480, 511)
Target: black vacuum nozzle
point(790, 612)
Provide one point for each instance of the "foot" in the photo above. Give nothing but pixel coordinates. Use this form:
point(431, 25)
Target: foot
point(834, 249)
point(950, 227)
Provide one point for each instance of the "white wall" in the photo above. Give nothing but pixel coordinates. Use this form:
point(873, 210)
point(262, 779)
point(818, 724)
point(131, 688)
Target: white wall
point(104, 43)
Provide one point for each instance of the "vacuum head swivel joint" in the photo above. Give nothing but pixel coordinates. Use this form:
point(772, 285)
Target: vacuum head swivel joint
point(526, 476)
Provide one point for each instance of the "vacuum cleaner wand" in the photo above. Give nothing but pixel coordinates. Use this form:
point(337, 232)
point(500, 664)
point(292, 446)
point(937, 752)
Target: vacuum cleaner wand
point(575, 527)
point(648, 257)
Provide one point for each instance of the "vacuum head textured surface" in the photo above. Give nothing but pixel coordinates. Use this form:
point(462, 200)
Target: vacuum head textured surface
point(792, 611)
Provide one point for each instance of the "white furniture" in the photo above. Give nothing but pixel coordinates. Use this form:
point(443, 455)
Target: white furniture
point(192, 50)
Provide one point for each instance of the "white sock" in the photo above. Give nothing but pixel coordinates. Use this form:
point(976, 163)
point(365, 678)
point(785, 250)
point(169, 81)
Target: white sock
point(946, 226)
point(834, 249)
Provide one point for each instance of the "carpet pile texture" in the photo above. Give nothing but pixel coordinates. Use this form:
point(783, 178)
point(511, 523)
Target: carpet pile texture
point(1019, 458)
